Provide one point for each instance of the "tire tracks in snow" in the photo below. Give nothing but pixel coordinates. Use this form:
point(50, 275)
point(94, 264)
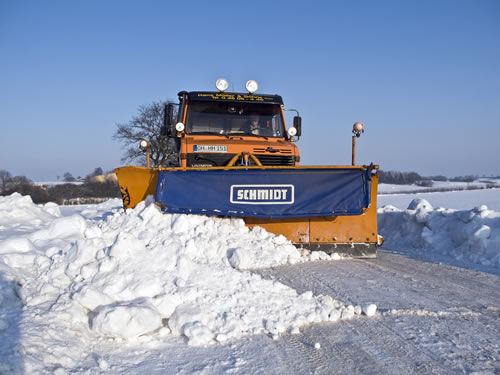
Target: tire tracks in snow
point(480, 287)
point(361, 346)
point(432, 318)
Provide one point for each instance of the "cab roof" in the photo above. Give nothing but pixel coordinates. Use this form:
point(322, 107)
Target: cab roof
point(235, 97)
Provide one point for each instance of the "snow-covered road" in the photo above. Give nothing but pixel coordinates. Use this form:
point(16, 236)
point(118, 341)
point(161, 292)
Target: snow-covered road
point(432, 318)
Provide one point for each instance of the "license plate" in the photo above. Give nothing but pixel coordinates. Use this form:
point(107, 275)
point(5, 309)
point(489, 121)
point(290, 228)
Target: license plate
point(209, 148)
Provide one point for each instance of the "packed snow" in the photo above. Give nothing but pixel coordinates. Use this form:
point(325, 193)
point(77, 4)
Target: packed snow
point(105, 274)
point(73, 278)
point(465, 235)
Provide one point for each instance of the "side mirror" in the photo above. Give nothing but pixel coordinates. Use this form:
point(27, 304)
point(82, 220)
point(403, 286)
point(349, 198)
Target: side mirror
point(297, 124)
point(168, 119)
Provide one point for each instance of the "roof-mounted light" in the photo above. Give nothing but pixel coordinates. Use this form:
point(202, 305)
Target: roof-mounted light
point(221, 84)
point(251, 86)
point(179, 126)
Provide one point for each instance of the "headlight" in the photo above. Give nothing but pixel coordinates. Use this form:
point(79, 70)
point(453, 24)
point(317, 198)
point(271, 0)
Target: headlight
point(179, 126)
point(292, 132)
point(251, 86)
point(144, 145)
point(221, 84)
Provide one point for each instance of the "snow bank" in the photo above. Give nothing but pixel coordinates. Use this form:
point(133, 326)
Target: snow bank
point(472, 235)
point(123, 275)
point(17, 210)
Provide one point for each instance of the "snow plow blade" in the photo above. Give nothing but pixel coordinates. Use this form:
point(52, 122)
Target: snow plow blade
point(331, 208)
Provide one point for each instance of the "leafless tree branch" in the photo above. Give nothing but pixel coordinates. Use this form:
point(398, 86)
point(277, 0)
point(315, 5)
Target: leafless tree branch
point(147, 125)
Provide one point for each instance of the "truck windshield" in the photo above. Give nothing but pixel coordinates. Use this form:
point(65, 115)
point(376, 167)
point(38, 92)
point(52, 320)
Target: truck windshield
point(252, 119)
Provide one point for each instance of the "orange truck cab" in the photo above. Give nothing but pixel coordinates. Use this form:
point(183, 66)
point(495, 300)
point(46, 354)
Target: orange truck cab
point(215, 129)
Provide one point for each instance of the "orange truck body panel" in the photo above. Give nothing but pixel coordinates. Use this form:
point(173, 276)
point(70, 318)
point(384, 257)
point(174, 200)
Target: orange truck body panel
point(239, 144)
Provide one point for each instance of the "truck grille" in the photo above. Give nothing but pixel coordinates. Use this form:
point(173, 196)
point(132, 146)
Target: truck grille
point(276, 159)
point(280, 150)
point(219, 160)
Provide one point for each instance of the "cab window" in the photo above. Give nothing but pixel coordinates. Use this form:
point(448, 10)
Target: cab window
point(235, 119)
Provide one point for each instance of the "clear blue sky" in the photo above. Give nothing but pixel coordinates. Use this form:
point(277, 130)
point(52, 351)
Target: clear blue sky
point(423, 76)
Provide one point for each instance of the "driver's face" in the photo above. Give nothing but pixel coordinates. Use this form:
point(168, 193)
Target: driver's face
point(254, 123)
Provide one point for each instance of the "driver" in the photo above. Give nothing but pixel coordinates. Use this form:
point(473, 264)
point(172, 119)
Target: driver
point(253, 126)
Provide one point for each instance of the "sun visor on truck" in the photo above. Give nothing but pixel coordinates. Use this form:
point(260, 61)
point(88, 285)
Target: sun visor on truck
point(272, 193)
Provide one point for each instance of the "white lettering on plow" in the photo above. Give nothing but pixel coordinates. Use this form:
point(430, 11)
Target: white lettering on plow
point(251, 194)
point(262, 195)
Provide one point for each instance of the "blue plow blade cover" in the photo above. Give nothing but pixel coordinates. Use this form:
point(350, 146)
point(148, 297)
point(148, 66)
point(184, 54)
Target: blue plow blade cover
point(272, 193)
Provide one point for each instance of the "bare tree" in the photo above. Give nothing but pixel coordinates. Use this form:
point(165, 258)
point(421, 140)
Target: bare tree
point(5, 176)
point(97, 172)
point(147, 125)
point(17, 183)
point(68, 177)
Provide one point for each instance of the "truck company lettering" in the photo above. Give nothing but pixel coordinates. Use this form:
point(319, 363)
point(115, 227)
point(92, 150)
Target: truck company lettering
point(227, 96)
point(262, 194)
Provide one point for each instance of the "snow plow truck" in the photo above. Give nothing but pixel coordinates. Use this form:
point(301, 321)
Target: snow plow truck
point(237, 157)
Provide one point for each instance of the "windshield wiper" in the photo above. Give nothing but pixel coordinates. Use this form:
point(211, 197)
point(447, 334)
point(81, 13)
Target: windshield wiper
point(256, 135)
point(206, 133)
point(209, 133)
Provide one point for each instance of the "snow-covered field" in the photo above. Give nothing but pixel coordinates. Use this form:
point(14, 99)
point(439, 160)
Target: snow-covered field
point(53, 183)
point(92, 289)
point(482, 183)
